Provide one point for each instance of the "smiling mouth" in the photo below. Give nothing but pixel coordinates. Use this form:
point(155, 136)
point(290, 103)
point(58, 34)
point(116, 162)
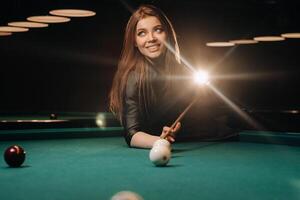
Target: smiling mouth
point(153, 48)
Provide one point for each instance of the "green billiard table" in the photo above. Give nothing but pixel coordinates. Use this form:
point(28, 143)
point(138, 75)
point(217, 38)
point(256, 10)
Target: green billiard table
point(95, 163)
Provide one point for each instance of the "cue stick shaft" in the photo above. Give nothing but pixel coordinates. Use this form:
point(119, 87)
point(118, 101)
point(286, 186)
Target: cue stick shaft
point(163, 136)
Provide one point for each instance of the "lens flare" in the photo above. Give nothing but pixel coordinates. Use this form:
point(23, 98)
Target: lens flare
point(201, 77)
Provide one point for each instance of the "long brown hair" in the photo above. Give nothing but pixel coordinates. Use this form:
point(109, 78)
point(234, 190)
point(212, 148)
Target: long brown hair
point(132, 60)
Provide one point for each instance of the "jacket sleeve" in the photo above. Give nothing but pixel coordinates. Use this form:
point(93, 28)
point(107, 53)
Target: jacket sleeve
point(131, 119)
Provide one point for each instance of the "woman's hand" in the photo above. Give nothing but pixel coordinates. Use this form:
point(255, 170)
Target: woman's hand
point(171, 133)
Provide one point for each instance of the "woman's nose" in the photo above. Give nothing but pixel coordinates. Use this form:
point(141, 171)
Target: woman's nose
point(151, 37)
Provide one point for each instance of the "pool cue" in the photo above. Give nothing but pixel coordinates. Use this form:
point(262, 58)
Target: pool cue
point(164, 135)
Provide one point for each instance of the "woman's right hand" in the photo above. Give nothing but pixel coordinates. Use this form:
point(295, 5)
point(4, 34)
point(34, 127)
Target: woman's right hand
point(170, 134)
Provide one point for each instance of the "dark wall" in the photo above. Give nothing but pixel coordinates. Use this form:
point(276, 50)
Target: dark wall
point(69, 67)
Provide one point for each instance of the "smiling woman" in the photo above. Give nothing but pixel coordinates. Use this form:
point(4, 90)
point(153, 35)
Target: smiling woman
point(140, 94)
point(151, 87)
point(150, 37)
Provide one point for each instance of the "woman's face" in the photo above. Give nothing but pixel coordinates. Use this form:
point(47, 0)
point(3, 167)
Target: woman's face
point(150, 37)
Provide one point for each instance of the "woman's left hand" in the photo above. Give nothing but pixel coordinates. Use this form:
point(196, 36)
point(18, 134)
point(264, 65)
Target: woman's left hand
point(170, 134)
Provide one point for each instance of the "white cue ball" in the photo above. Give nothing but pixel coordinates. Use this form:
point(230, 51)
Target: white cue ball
point(160, 155)
point(162, 142)
point(126, 195)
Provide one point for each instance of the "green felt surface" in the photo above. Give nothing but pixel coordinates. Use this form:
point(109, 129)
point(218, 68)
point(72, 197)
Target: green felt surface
point(270, 137)
point(96, 168)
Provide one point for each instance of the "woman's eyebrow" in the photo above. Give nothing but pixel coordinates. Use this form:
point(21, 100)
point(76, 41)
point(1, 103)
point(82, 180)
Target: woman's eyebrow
point(158, 25)
point(140, 29)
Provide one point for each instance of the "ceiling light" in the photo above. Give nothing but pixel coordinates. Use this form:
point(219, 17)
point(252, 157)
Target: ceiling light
point(291, 35)
point(12, 29)
point(28, 24)
point(244, 41)
point(269, 38)
point(48, 19)
point(72, 13)
point(5, 33)
point(219, 44)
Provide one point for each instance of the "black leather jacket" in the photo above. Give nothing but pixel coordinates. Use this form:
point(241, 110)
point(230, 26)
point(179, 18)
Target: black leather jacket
point(142, 113)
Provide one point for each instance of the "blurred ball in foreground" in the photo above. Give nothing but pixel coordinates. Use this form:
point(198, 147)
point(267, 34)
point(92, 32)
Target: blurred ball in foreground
point(126, 195)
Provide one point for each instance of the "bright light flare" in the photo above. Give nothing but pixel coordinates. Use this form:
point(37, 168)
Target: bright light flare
point(201, 77)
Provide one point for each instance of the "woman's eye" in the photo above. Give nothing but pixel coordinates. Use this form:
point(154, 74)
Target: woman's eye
point(159, 30)
point(141, 33)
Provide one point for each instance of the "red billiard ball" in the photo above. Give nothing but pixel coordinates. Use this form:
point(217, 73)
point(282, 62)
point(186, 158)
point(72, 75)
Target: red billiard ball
point(14, 156)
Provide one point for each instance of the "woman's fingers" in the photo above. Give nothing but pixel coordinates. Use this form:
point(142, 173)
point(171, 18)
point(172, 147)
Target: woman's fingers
point(171, 133)
point(177, 127)
point(166, 129)
point(170, 139)
point(174, 130)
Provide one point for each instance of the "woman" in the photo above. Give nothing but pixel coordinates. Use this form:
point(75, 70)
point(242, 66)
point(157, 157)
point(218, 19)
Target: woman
point(143, 94)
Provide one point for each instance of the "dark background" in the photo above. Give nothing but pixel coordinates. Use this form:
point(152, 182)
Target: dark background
point(70, 66)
